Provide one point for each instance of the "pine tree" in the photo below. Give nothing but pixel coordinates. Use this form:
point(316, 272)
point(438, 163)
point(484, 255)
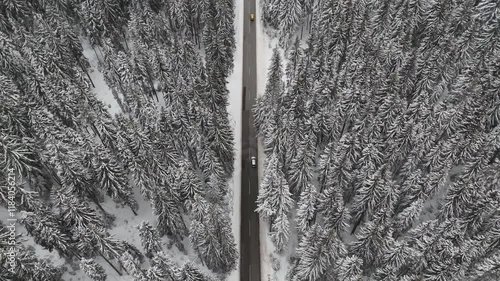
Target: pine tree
point(76, 214)
point(367, 197)
point(301, 166)
point(350, 269)
point(190, 272)
point(372, 239)
point(132, 266)
point(169, 219)
point(114, 181)
point(266, 107)
point(280, 230)
point(150, 239)
point(211, 236)
point(163, 268)
point(48, 232)
point(98, 241)
point(133, 251)
point(318, 251)
point(187, 181)
point(291, 16)
point(93, 270)
point(307, 207)
point(28, 267)
point(275, 194)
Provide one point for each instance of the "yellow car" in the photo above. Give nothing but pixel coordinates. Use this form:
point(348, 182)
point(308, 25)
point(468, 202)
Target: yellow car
point(252, 17)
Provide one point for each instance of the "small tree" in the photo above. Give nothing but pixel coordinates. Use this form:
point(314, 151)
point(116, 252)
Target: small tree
point(191, 273)
point(150, 239)
point(350, 269)
point(47, 232)
point(162, 268)
point(132, 266)
point(93, 270)
point(113, 179)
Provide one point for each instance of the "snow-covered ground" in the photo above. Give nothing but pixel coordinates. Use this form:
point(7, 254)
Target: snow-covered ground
point(102, 91)
point(235, 105)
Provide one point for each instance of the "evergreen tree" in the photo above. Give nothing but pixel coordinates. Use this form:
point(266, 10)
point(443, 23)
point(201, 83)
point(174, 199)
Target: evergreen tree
point(275, 194)
point(150, 239)
point(318, 251)
point(385, 93)
point(76, 214)
point(93, 270)
point(169, 219)
point(48, 232)
point(307, 207)
point(266, 107)
point(350, 269)
point(163, 268)
point(131, 265)
point(301, 166)
point(190, 272)
point(98, 241)
point(211, 236)
point(114, 181)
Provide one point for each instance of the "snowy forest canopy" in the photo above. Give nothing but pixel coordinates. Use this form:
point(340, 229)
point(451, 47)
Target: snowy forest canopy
point(381, 137)
point(171, 141)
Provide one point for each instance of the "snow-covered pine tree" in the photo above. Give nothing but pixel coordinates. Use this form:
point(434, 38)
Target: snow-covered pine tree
point(26, 265)
point(207, 160)
point(223, 142)
point(132, 266)
point(103, 18)
point(318, 252)
point(274, 192)
point(48, 232)
point(291, 15)
point(266, 106)
point(300, 171)
point(150, 239)
point(169, 219)
point(187, 181)
point(307, 207)
point(190, 272)
point(372, 239)
point(367, 196)
point(93, 269)
point(163, 268)
point(350, 269)
point(113, 179)
point(97, 241)
point(19, 154)
point(211, 236)
point(62, 155)
point(75, 214)
point(133, 251)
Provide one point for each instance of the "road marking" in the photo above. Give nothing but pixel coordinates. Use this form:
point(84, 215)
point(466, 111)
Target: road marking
point(250, 272)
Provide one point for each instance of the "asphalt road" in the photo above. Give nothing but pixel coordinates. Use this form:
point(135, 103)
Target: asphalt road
point(250, 245)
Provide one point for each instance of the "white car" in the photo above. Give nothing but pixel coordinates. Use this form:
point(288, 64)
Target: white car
point(253, 161)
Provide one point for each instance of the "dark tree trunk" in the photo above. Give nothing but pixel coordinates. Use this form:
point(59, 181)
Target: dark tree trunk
point(152, 85)
point(95, 52)
point(110, 264)
point(125, 40)
point(84, 70)
point(358, 222)
point(133, 211)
